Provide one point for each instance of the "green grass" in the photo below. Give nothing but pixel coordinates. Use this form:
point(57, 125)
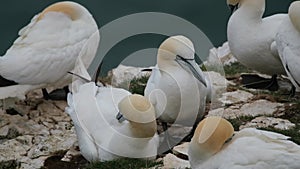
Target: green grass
point(124, 163)
point(138, 85)
point(235, 68)
point(237, 122)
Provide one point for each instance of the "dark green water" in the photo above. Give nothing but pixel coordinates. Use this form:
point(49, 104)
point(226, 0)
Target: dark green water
point(210, 16)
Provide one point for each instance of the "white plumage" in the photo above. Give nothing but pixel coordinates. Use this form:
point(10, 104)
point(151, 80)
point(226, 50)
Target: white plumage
point(288, 43)
point(101, 136)
point(251, 38)
point(248, 149)
point(177, 86)
point(48, 47)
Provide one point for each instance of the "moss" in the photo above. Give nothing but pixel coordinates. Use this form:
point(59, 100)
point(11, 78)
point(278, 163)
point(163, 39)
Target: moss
point(138, 85)
point(236, 123)
point(235, 68)
point(125, 163)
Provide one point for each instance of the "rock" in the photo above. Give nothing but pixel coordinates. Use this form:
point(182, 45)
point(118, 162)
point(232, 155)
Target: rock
point(265, 122)
point(27, 163)
point(122, 75)
point(49, 109)
point(218, 87)
point(73, 152)
point(46, 146)
point(4, 132)
point(171, 161)
point(221, 54)
point(179, 131)
point(11, 150)
point(259, 107)
point(181, 149)
point(235, 97)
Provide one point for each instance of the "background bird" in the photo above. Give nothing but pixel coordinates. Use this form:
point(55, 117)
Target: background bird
point(47, 49)
point(251, 38)
point(288, 44)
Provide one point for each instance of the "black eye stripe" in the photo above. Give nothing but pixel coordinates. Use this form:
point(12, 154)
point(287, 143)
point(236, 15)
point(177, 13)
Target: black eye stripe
point(182, 58)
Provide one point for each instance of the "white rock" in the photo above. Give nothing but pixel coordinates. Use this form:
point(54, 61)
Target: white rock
point(228, 113)
point(265, 122)
point(171, 161)
point(221, 54)
point(73, 152)
point(218, 87)
point(11, 150)
point(260, 107)
point(122, 75)
point(27, 163)
point(46, 146)
point(235, 97)
point(4, 131)
point(181, 149)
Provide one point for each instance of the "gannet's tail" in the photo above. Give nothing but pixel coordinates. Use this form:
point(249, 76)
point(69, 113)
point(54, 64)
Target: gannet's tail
point(5, 82)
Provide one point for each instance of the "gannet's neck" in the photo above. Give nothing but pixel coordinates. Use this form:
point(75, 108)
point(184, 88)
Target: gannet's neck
point(142, 130)
point(252, 9)
point(198, 154)
point(294, 14)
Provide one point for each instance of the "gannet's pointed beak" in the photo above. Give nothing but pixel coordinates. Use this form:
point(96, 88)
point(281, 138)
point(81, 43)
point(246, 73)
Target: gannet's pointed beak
point(193, 67)
point(120, 117)
point(233, 8)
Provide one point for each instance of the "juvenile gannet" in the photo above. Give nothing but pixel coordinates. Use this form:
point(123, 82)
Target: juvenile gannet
point(177, 86)
point(251, 38)
point(215, 145)
point(47, 49)
point(288, 43)
point(104, 137)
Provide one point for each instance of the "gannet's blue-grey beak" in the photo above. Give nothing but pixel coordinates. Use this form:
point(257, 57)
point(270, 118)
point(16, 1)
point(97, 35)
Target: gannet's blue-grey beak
point(120, 117)
point(193, 67)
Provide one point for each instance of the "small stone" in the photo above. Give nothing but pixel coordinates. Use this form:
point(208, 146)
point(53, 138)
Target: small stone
point(235, 97)
point(266, 122)
point(4, 132)
point(260, 107)
point(181, 149)
point(171, 161)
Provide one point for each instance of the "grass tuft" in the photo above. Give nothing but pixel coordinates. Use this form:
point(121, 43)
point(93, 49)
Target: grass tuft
point(138, 85)
point(124, 163)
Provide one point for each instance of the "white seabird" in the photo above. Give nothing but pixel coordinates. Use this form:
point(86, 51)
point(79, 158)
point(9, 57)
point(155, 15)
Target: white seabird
point(177, 87)
point(47, 49)
point(251, 38)
point(288, 44)
point(101, 136)
point(212, 147)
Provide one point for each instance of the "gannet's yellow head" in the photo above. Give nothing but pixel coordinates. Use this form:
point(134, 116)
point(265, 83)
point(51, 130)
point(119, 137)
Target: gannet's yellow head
point(141, 115)
point(233, 2)
point(176, 45)
point(71, 9)
point(137, 108)
point(212, 133)
point(294, 14)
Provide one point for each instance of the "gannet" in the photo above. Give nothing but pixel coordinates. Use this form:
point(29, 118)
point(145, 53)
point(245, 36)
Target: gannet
point(177, 86)
point(112, 123)
point(47, 49)
point(288, 43)
point(215, 145)
point(251, 38)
